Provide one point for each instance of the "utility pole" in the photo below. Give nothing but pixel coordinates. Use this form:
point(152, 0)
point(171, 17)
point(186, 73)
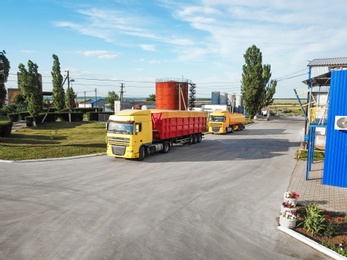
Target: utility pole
point(121, 92)
point(179, 96)
point(68, 93)
point(85, 99)
point(96, 96)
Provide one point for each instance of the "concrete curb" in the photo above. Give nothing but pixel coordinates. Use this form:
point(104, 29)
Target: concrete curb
point(54, 159)
point(312, 243)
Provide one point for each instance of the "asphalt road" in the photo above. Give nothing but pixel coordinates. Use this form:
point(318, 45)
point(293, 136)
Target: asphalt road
point(218, 199)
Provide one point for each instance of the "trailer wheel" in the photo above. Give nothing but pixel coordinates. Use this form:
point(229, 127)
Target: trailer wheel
point(195, 139)
point(191, 139)
point(142, 153)
point(166, 147)
point(199, 138)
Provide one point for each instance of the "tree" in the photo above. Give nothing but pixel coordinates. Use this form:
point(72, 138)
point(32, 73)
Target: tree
point(4, 70)
point(70, 97)
point(30, 83)
point(151, 97)
point(58, 97)
point(112, 96)
point(256, 89)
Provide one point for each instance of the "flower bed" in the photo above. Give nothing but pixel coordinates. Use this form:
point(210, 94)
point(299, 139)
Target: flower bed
point(328, 228)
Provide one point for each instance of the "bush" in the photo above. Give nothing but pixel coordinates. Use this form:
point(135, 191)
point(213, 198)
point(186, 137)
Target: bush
point(87, 109)
point(5, 129)
point(13, 117)
point(49, 117)
point(29, 120)
point(98, 116)
point(92, 116)
point(75, 116)
point(62, 116)
point(22, 115)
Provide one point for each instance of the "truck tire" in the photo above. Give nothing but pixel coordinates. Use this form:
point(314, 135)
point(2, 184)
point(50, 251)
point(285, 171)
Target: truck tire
point(199, 138)
point(195, 139)
point(142, 153)
point(191, 139)
point(166, 147)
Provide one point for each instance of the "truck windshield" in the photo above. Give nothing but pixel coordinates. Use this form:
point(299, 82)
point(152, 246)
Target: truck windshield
point(217, 118)
point(120, 128)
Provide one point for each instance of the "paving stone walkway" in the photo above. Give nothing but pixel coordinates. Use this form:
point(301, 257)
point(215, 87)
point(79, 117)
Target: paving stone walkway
point(312, 190)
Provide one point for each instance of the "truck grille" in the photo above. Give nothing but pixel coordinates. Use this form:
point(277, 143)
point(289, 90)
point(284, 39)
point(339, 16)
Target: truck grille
point(215, 129)
point(118, 141)
point(118, 150)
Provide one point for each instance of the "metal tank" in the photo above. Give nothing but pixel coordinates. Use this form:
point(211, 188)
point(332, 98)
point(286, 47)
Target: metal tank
point(223, 98)
point(238, 104)
point(171, 95)
point(215, 98)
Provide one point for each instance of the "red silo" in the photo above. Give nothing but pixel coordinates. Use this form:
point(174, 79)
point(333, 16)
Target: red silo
point(171, 95)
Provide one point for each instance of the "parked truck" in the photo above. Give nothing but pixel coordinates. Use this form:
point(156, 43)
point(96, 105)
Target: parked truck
point(222, 121)
point(138, 133)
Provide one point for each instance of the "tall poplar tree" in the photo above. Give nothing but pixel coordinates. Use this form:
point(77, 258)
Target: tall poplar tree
point(4, 70)
point(30, 83)
point(70, 97)
point(112, 96)
point(256, 90)
point(58, 97)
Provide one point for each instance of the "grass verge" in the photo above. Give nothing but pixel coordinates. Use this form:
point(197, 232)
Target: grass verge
point(54, 140)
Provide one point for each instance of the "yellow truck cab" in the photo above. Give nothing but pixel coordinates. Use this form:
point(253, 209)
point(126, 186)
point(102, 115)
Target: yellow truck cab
point(222, 121)
point(127, 132)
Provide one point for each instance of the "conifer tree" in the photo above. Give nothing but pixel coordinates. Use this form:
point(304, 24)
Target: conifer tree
point(30, 83)
point(4, 70)
point(256, 90)
point(58, 97)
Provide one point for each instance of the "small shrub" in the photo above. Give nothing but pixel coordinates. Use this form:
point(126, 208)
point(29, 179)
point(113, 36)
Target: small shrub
point(5, 129)
point(49, 117)
point(22, 115)
point(29, 120)
point(13, 117)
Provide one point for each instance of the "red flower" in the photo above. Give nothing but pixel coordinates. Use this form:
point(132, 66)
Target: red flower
point(327, 216)
point(339, 219)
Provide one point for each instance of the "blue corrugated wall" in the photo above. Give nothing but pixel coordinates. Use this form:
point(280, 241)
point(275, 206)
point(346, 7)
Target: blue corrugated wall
point(335, 161)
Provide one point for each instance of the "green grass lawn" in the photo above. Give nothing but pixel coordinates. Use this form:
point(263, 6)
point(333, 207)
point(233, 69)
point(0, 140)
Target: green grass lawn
point(53, 140)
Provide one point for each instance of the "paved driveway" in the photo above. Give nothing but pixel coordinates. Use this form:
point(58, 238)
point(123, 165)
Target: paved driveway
point(218, 199)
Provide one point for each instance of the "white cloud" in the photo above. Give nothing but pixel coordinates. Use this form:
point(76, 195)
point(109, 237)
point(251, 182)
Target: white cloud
point(147, 47)
point(27, 51)
point(100, 54)
point(154, 62)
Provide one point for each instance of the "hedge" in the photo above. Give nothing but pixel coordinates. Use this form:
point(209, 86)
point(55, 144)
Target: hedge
point(29, 119)
point(5, 129)
point(75, 116)
point(13, 117)
point(22, 115)
point(94, 116)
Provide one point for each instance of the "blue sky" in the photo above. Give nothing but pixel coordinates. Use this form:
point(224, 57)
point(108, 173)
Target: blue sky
point(108, 42)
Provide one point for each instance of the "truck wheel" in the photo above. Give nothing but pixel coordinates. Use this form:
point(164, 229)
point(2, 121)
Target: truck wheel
point(166, 147)
point(142, 153)
point(191, 139)
point(195, 139)
point(199, 138)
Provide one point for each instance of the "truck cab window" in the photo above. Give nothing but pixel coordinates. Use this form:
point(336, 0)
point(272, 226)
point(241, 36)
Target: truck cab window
point(138, 127)
point(120, 128)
